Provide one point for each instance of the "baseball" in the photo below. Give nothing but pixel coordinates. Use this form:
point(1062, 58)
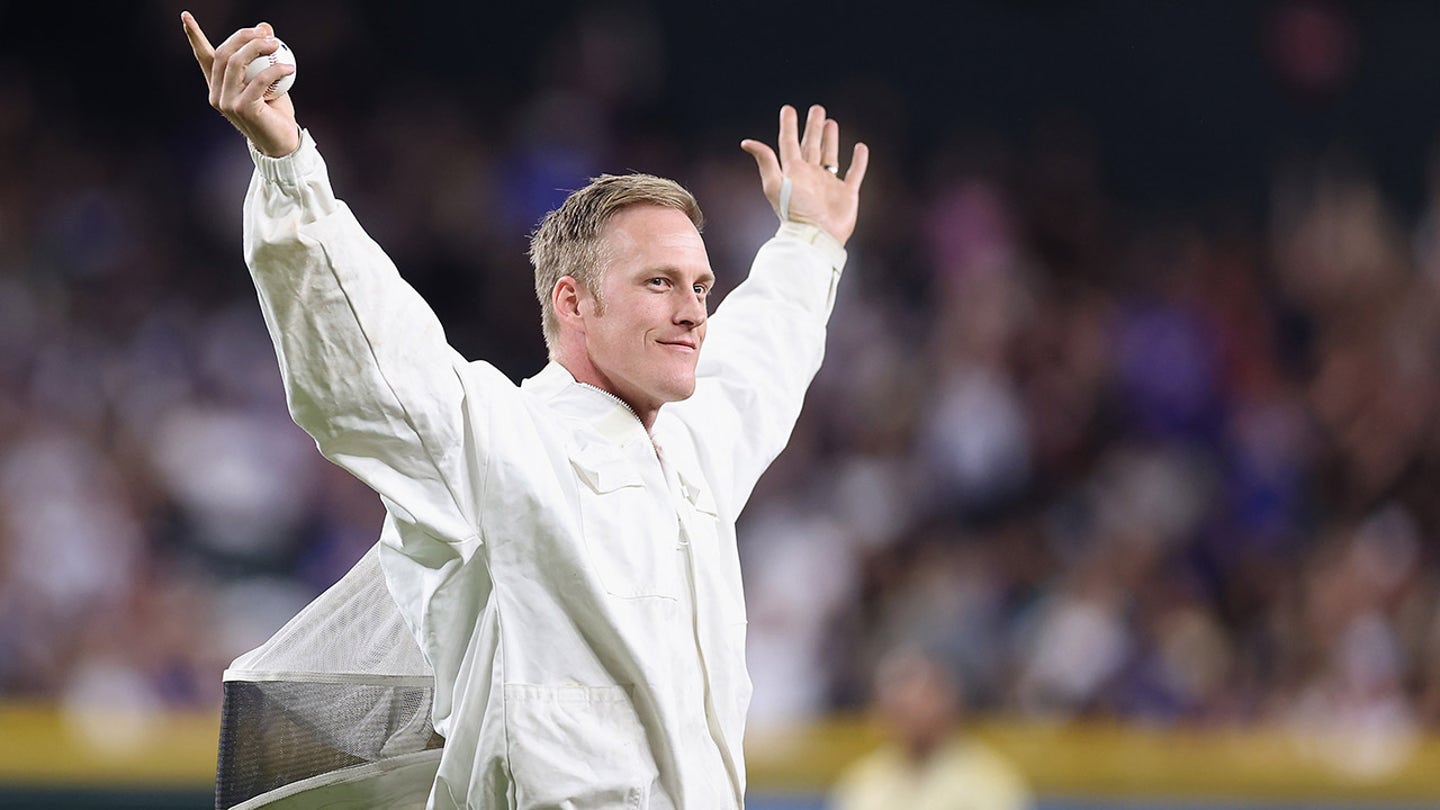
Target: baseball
point(282, 56)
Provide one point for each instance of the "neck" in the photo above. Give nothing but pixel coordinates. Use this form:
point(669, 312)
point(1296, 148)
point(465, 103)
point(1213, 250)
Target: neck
point(647, 419)
point(586, 374)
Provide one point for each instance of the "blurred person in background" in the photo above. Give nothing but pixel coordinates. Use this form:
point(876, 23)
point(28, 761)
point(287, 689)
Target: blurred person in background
point(928, 762)
point(588, 649)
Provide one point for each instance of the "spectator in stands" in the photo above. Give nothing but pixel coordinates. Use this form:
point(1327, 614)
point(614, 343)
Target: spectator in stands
point(929, 763)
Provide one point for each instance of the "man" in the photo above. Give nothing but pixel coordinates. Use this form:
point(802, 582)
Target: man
point(928, 764)
point(563, 551)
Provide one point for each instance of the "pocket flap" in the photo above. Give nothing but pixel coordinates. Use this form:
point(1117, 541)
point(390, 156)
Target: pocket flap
point(699, 496)
point(604, 471)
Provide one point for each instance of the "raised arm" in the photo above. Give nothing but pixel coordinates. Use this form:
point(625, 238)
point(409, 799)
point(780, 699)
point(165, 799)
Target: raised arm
point(767, 339)
point(367, 369)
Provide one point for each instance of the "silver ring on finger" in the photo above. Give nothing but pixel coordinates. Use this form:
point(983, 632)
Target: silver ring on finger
point(831, 168)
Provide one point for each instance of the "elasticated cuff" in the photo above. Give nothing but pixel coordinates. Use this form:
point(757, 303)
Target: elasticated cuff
point(818, 237)
point(289, 171)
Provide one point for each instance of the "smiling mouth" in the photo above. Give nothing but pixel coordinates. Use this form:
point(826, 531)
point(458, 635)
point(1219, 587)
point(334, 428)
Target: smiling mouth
point(679, 344)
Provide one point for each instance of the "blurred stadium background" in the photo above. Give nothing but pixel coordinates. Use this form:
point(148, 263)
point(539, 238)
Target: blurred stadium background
point(1128, 411)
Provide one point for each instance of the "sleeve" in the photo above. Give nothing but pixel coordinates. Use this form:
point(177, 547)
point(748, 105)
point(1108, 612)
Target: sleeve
point(764, 345)
point(365, 363)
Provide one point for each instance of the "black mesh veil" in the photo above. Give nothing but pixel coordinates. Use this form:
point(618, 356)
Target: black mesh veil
point(336, 702)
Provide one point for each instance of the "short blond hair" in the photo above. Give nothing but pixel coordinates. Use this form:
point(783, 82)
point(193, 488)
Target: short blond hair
point(567, 242)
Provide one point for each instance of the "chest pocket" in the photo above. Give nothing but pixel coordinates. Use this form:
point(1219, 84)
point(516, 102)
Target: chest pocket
point(630, 535)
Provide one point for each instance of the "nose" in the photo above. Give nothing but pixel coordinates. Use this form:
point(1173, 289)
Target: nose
point(691, 312)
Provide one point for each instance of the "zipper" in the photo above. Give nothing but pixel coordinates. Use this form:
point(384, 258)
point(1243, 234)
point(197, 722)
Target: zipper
point(622, 402)
point(717, 736)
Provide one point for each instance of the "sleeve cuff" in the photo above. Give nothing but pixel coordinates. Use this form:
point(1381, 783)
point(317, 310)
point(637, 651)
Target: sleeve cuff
point(817, 237)
point(290, 170)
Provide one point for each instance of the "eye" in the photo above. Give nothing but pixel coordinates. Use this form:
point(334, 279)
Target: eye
point(701, 289)
point(658, 282)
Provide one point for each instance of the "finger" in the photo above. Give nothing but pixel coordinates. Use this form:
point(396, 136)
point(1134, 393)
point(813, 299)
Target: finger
point(255, 90)
point(235, 42)
point(765, 161)
point(234, 82)
point(221, 77)
point(859, 162)
point(810, 141)
point(830, 143)
point(789, 138)
point(199, 43)
point(247, 53)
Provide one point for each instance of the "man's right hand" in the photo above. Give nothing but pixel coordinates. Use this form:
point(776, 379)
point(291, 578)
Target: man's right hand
point(270, 125)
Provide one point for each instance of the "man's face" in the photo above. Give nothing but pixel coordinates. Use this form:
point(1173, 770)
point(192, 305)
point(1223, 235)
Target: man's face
point(645, 341)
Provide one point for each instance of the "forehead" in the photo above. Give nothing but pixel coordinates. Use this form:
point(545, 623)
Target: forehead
point(650, 233)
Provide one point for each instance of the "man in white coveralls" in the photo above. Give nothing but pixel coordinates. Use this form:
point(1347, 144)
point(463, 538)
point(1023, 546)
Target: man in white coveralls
point(563, 551)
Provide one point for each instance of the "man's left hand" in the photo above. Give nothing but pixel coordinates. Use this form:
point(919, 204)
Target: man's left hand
point(818, 194)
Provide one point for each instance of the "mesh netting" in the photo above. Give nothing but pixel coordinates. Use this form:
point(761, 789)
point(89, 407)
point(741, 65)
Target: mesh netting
point(276, 733)
point(342, 684)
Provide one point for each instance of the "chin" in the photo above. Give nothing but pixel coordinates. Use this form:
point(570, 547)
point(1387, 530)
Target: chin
point(681, 390)
point(681, 394)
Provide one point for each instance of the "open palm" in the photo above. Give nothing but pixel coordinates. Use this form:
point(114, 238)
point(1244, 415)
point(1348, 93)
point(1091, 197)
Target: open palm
point(817, 193)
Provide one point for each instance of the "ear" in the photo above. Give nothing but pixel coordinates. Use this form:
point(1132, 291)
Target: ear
point(566, 297)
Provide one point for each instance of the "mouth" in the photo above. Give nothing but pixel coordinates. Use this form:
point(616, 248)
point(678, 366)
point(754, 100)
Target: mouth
point(683, 345)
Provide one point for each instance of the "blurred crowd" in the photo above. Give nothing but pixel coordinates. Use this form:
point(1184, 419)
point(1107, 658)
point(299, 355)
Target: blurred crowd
point(1105, 466)
point(1177, 466)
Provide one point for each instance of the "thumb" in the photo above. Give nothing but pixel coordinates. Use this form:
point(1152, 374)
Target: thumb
point(772, 178)
point(765, 161)
point(204, 51)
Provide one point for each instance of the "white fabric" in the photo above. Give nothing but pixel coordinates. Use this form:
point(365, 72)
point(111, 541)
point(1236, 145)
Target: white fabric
point(398, 783)
point(352, 633)
point(578, 599)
